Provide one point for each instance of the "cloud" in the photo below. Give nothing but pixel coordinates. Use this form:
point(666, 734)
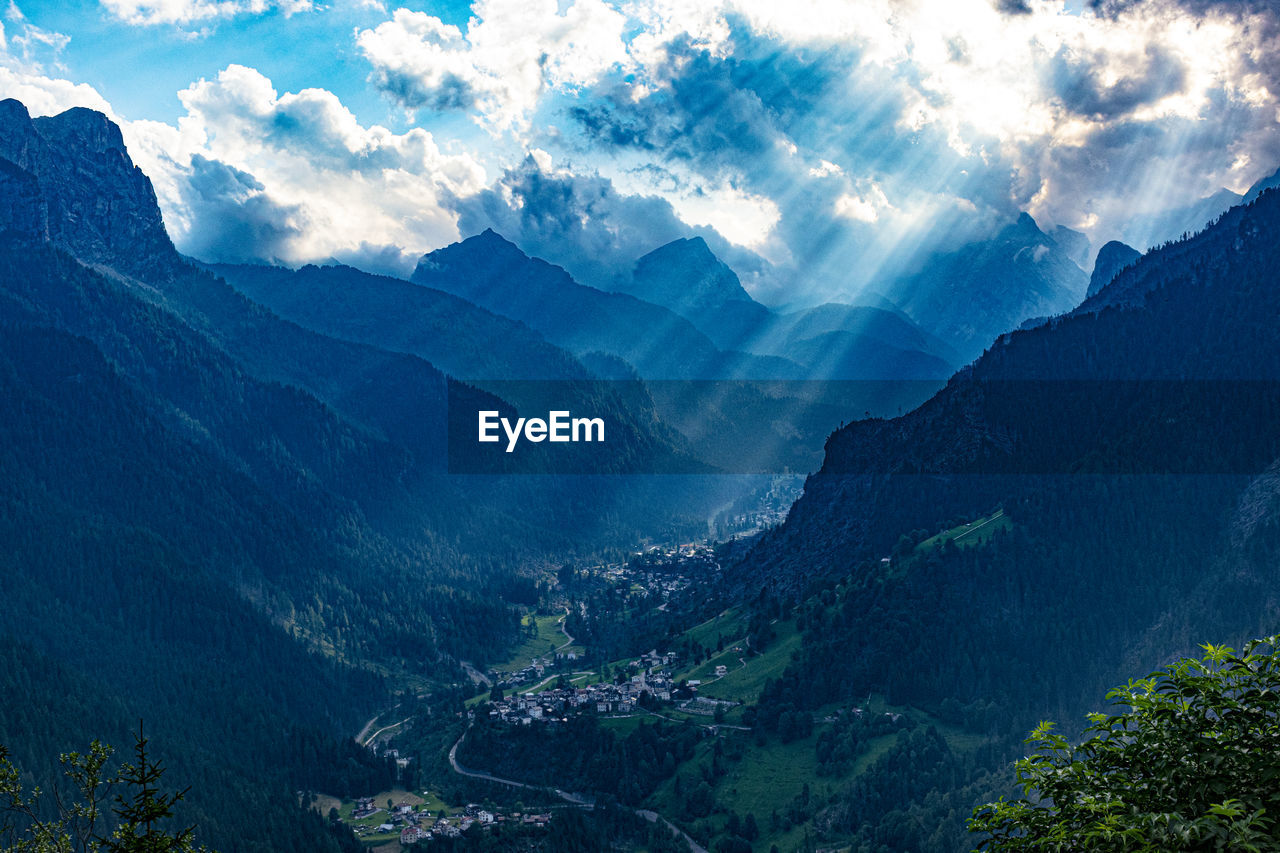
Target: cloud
point(823, 145)
point(250, 174)
point(153, 12)
point(297, 176)
point(47, 95)
point(958, 112)
point(1013, 7)
point(1077, 80)
point(237, 220)
point(512, 52)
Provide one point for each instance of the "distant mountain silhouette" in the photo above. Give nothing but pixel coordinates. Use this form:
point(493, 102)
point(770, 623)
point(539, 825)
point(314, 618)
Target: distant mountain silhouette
point(1112, 258)
point(833, 341)
point(1146, 232)
point(493, 273)
point(685, 276)
point(973, 294)
point(1269, 182)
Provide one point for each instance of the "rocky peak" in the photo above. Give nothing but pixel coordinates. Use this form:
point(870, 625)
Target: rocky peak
point(81, 129)
point(94, 201)
point(1112, 258)
point(685, 274)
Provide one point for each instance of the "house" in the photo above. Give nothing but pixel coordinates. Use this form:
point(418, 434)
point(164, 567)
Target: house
point(721, 671)
point(412, 835)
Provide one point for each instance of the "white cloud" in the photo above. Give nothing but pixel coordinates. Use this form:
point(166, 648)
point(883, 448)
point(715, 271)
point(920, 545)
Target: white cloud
point(292, 178)
point(512, 52)
point(862, 207)
point(354, 187)
point(150, 12)
point(48, 95)
point(824, 168)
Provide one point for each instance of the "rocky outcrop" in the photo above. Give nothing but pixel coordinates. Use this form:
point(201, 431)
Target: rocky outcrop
point(1112, 258)
point(69, 179)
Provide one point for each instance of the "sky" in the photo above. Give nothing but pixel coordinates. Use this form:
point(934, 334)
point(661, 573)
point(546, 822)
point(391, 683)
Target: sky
point(820, 146)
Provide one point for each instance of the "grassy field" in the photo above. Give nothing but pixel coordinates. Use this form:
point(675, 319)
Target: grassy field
point(732, 623)
point(769, 777)
point(547, 636)
point(747, 673)
point(623, 726)
point(969, 535)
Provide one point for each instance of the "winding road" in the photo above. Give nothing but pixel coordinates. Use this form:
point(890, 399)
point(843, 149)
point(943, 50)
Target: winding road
point(573, 799)
point(371, 738)
point(568, 638)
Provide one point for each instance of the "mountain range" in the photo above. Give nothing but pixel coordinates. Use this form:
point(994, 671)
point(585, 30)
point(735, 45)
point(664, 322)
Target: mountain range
point(227, 502)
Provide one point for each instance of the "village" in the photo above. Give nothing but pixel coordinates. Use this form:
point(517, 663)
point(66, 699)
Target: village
point(660, 572)
point(420, 823)
point(651, 684)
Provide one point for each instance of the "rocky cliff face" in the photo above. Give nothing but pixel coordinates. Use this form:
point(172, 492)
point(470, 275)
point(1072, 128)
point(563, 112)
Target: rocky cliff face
point(70, 180)
point(22, 205)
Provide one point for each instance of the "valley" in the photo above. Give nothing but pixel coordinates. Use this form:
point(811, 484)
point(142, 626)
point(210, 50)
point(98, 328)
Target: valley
point(805, 582)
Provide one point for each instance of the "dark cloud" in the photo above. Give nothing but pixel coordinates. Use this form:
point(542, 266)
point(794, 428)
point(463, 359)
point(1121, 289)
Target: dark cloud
point(1075, 79)
point(721, 114)
point(1013, 7)
point(411, 89)
point(1116, 8)
point(233, 219)
point(769, 119)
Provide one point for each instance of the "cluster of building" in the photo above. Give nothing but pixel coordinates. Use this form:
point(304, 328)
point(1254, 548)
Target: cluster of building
point(419, 824)
point(652, 676)
point(661, 572)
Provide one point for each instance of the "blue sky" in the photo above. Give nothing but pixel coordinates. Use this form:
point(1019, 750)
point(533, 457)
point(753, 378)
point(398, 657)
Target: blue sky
point(819, 146)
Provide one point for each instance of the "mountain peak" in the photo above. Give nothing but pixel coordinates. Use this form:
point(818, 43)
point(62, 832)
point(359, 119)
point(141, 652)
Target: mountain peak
point(685, 275)
point(74, 160)
point(686, 249)
point(1112, 258)
point(1023, 227)
point(82, 127)
point(488, 240)
point(486, 248)
point(13, 110)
